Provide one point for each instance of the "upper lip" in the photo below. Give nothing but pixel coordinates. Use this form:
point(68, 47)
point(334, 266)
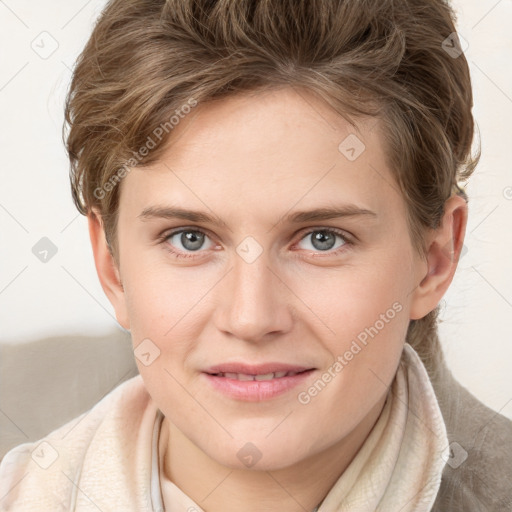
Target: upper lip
point(259, 369)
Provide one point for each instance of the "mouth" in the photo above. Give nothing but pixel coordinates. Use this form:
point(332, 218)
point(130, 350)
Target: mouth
point(258, 377)
point(256, 383)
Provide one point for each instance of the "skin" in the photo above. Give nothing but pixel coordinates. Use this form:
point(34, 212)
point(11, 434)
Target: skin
point(251, 160)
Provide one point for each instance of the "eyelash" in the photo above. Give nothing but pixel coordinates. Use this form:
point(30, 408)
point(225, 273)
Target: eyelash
point(346, 246)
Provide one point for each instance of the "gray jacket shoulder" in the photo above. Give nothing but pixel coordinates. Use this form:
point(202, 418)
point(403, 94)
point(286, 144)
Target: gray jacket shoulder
point(478, 475)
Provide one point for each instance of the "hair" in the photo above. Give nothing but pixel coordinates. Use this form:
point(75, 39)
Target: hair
point(147, 61)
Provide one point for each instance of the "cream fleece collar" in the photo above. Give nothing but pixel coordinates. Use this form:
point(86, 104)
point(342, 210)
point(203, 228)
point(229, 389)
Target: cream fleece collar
point(398, 468)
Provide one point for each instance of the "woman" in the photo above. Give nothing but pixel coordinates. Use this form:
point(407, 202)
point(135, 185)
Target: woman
point(275, 211)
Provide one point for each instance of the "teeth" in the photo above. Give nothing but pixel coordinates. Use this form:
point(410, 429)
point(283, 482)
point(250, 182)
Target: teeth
point(241, 376)
point(245, 377)
point(266, 376)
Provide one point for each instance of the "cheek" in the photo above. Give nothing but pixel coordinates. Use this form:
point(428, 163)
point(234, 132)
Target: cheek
point(348, 299)
point(361, 316)
point(167, 307)
point(160, 297)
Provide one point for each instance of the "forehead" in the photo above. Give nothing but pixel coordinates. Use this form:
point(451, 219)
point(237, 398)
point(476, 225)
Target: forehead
point(276, 148)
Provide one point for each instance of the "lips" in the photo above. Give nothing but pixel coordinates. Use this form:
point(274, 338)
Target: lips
point(256, 383)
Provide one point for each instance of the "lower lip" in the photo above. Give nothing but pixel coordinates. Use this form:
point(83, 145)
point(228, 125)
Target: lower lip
point(256, 390)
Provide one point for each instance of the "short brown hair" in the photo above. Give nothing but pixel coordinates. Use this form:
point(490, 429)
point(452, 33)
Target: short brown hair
point(396, 60)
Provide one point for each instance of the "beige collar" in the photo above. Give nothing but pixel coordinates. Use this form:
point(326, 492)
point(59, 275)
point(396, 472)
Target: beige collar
point(399, 466)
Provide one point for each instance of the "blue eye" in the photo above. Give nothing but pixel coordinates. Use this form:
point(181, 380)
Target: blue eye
point(191, 240)
point(323, 240)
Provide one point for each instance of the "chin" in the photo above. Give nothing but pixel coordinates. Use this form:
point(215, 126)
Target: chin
point(258, 455)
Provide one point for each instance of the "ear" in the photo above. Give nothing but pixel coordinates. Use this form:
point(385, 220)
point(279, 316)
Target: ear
point(444, 248)
point(106, 267)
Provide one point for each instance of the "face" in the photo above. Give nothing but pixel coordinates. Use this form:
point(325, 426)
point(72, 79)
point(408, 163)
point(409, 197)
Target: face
point(253, 284)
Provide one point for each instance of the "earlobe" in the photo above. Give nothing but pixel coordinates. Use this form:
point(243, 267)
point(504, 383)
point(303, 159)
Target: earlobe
point(444, 249)
point(106, 268)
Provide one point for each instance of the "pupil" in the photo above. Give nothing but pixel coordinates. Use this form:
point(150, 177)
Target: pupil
point(192, 240)
point(323, 240)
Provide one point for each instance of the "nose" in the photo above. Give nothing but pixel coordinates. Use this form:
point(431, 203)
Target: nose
point(254, 303)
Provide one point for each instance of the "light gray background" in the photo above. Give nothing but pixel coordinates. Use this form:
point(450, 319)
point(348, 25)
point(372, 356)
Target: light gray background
point(64, 297)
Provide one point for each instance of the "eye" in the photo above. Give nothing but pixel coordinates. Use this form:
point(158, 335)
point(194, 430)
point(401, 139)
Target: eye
point(191, 240)
point(324, 240)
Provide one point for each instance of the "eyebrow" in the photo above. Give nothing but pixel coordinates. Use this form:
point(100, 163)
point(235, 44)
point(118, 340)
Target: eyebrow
point(326, 213)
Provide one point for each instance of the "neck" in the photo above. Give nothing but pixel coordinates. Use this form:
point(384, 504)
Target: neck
point(297, 488)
